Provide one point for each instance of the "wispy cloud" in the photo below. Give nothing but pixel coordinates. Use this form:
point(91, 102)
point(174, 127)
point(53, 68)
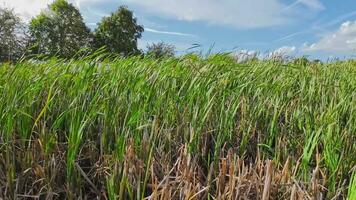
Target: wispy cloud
point(290, 36)
point(339, 19)
point(310, 4)
point(79, 3)
point(320, 28)
point(169, 32)
point(97, 13)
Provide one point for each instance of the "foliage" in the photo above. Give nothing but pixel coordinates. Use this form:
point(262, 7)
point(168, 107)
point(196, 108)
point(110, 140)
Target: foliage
point(13, 36)
point(352, 187)
point(160, 50)
point(59, 31)
point(119, 32)
point(177, 128)
point(302, 61)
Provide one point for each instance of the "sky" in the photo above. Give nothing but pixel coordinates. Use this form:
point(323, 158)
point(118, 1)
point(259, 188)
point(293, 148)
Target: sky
point(315, 28)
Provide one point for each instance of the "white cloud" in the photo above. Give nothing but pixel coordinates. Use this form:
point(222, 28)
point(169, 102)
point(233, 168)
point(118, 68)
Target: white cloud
point(352, 41)
point(240, 14)
point(26, 8)
point(342, 40)
point(244, 55)
point(236, 13)
point(30, 8)
point(285, 50)
point(281, 53)
point(169, 32)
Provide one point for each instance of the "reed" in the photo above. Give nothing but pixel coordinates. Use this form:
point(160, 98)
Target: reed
point(177, 128)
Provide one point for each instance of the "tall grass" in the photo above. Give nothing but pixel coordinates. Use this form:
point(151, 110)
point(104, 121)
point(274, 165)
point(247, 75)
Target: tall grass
point(139, 128)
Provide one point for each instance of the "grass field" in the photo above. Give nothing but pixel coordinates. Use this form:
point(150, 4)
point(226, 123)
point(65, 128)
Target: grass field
point(179, 128)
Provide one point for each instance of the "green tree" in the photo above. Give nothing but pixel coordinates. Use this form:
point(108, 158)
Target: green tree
point(119, 32)
point(302, 61)
point(59, 30)
point(160, 50)
point(12, 35)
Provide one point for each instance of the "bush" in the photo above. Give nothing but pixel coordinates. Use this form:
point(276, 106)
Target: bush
point(160, 50)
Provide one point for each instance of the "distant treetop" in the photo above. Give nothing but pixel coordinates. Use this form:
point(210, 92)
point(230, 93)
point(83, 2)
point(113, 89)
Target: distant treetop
point(119, 32)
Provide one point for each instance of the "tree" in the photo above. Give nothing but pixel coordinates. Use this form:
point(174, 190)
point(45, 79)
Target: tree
point(302, 61)
point(119, 32)
point(59, 30)
point(161, 49)
point(12, 35)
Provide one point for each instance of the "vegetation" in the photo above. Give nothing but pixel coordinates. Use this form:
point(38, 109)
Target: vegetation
point(59, 30)
point(161, 50)
point(12, 36)
point(93, 125)
point(177, 128)
point(119, 32)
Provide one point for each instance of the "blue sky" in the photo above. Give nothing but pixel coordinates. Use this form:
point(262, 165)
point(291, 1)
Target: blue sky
point(319, 28)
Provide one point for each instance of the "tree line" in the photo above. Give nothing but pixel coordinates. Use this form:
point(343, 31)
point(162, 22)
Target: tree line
point(61, 31)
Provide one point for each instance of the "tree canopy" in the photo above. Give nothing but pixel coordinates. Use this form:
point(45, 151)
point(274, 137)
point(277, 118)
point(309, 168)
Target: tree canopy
point(12, 35)
point(59, 30)
point(161, 49)
point(119, 32)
